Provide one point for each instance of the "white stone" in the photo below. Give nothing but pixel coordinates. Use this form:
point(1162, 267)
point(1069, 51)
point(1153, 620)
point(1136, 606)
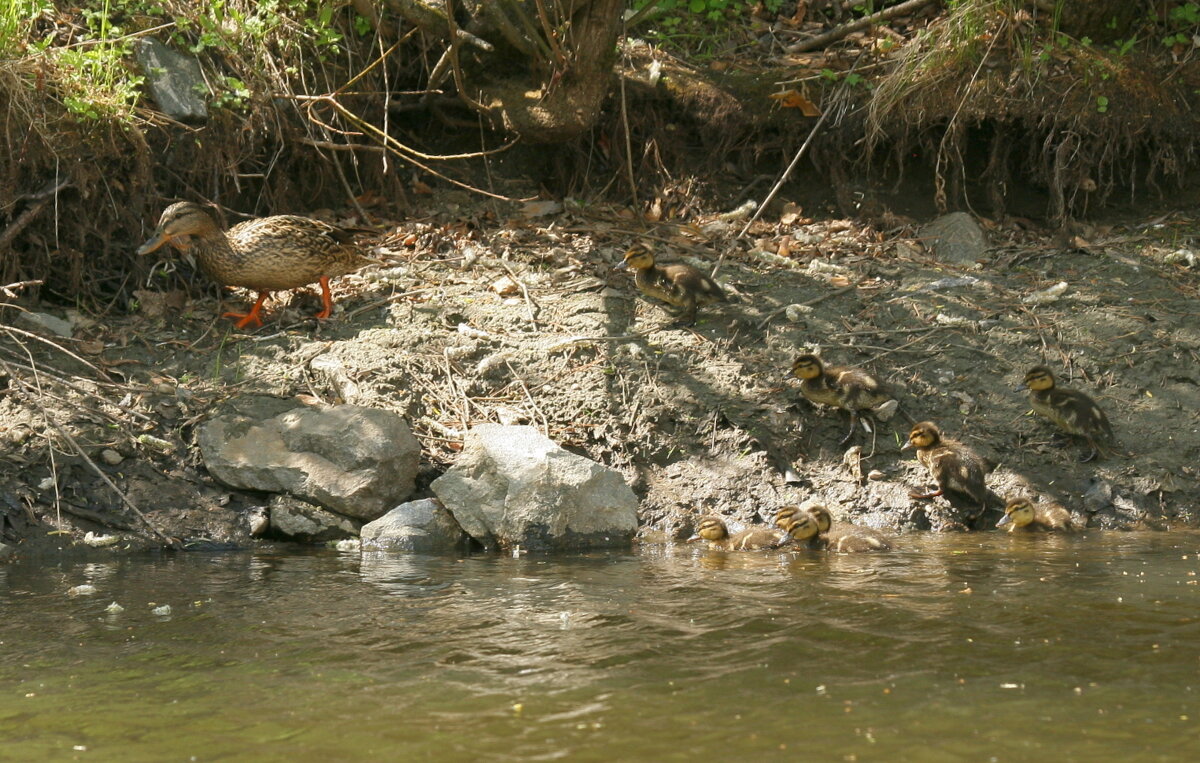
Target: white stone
point(512, 486)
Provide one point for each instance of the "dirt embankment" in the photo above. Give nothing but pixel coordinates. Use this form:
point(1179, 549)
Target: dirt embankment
point(503, 317)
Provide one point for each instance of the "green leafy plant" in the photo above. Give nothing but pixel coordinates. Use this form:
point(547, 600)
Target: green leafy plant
point(1101, 104)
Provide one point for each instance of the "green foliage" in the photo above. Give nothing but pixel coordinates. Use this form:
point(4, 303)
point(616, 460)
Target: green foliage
point(92, 69)
point(696, 26)
point(1101, 104)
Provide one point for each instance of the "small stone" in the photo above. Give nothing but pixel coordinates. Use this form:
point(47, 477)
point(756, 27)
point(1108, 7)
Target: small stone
point(111, 457)
point(505, 286)
point(875, 475)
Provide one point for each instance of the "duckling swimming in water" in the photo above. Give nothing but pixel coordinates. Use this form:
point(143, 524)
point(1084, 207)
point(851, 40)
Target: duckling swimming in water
point(850, 389)
point(676, 284)
point(1021, 515)
point(714, 530)
point(953, 465)
point(843, 537)
point(1072, 411)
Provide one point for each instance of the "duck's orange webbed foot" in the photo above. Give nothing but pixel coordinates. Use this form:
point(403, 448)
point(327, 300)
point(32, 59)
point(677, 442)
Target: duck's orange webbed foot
point(251, 317)
point(326, 299)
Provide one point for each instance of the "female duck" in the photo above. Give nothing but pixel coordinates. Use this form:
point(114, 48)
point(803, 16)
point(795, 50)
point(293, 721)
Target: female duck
point(676, 284)
point(268, 254)
point(850, 389)
point(1072, 411)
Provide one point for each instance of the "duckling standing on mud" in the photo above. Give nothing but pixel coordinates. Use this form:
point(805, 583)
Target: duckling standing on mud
point(850, 389)
point(843, 537)
point(1020, 515)
point(953, 466)
point(676, 284)
point(268, 254)
point(713, 529)
point(1072, 411)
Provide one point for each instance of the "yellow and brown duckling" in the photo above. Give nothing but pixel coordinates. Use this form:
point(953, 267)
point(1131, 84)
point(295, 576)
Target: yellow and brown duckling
point(1072, 411)
point(268, 254)
point(676, 284)
point(951, 464)
point(843, 537)
point(714, 530)
point(850, 389)
point(1021, 515)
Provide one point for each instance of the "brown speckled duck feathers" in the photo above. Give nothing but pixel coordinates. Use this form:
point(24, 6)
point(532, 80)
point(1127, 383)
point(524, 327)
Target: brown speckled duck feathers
point(267, 254)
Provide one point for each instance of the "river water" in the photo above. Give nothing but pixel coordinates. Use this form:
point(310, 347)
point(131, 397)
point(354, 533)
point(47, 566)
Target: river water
point(979, 647)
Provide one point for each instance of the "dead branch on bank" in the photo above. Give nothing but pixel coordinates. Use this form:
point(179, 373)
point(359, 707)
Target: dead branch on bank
point(833, 35)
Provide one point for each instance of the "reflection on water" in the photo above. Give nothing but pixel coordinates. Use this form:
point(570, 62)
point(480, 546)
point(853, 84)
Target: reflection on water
point(957, 648)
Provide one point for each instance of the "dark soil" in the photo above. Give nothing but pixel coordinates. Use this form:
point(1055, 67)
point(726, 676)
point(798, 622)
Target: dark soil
point(485, 312)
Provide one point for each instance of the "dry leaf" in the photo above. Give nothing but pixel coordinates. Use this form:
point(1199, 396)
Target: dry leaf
point(791, 213)
point(792, 99)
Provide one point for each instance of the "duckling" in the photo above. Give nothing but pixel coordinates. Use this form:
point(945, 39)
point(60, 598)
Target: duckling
point(1072, 411)
point(676, 284)
point(1021, 515)
point(850, 389)
point(268, 254)
point(804, 526)
point(713, 529)
point(953, 465)
point(843, 537)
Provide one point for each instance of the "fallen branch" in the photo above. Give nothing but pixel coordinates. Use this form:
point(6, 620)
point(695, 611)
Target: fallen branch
point(833, 35)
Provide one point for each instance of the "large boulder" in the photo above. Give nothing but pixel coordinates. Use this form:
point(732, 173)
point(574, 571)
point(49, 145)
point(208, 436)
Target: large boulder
point(423, 525)
point(513, 487)
point(355, 461)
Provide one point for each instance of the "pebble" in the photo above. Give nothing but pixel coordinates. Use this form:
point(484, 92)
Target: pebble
point(111, 457)
point(875, 475)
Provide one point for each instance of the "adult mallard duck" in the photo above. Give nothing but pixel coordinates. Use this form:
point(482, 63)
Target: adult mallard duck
point(952, 465)
point(850, 389)
point(714, 530)
point(843, 537)
point(267, 254)
point(1072, 411)
point(676, 284)
point(1021, 515)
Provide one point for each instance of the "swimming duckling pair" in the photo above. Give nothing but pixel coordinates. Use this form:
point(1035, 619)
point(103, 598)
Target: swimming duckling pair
point(714, 530)
point(676, 284)
point(814, 525)
point(811, 526)
point(850, 389)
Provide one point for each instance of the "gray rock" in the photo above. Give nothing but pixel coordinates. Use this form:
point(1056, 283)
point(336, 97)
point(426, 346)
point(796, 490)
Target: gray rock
point(44, 322)
point(111, 457)
point(5, 550)
point(301, 521)
point(175, 80)
point(955, 238)
point(423, 525)
point(352, 460)
point(512, 486)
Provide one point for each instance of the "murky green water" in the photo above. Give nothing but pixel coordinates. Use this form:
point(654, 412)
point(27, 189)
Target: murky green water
point(962, 648)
